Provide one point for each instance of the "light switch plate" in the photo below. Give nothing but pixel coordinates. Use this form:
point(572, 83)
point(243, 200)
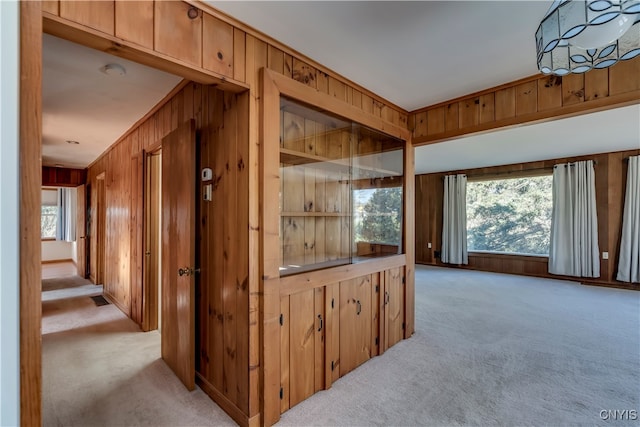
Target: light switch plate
point(605, 255)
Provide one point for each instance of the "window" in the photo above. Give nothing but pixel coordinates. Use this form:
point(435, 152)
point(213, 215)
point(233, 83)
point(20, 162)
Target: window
point(510, 215)
point(49, 214)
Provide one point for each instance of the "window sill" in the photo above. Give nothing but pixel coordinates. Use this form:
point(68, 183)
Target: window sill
point(48, 239)
point(496, 254)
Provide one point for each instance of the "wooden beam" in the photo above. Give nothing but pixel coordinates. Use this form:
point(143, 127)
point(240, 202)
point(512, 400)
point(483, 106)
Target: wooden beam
point(599, 104)
point(534, 99)
point(98, 40)
point(30, 195)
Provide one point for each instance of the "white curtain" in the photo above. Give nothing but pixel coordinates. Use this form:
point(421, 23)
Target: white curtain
point(574, 223)
point(66, 229)
point(454, 222)
point(629, 263)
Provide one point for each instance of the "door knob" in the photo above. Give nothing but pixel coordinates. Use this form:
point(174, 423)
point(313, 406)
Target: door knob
point(188, 271)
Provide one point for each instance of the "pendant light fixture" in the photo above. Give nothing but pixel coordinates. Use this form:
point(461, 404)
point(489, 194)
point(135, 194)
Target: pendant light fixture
point(576, 36)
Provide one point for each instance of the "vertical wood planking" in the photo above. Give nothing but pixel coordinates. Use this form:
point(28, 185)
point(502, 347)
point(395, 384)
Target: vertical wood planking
point(239, 55)
point(243, 304)
point(572, 89)
point(487, 108)
point(451, 117)
point(51, 6)
point(134, 22)
point(549, 93)
point(526, 98)
point(217, 46)
point(184, 41)
point(505, 103)
point(435, 121)
point(228, 142)
point(624, 77)
point(98, 15)
point(468, 113)
point(596, 84)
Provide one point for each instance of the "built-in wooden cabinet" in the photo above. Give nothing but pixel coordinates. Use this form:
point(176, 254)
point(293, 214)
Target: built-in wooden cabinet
point(336, 198)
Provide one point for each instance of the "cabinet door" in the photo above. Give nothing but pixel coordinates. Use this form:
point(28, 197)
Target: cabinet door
point(394, 305)
point(302, 346)
point(355, 323)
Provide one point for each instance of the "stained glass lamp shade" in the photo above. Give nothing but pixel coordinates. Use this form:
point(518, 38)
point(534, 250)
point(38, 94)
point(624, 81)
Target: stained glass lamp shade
point(576, 36)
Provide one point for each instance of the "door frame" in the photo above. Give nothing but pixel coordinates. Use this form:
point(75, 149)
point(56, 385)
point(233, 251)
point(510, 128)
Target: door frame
point(151, 239)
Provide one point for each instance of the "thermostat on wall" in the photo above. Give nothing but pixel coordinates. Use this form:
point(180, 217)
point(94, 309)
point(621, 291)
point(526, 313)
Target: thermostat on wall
point(207, 174)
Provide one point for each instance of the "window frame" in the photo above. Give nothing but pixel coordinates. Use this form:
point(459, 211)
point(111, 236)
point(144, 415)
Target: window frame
point(503, 176)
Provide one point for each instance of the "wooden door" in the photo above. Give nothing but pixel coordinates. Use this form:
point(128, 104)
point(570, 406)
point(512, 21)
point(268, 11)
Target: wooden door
point(81, 241)
point(394, 304)
point(178, 252)
point(355, 323)
point(302, 346)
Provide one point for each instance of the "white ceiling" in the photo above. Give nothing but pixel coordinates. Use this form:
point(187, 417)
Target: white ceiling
point(414, 54)
point(81, 103)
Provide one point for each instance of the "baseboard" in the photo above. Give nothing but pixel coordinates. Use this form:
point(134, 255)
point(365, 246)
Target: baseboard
point(227, 406)
point(115, 302)
point(56, 261)
point(581, 280)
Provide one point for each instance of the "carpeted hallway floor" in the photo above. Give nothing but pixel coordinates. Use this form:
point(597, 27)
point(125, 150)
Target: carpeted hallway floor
point(100, 370)
point(490, 349)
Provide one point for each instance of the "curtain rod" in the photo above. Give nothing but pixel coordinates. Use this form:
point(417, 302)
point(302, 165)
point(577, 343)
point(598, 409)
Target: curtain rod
point(595, 162)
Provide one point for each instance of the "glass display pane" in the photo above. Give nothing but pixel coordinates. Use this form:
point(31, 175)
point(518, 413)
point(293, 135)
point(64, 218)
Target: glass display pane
point(341, 190)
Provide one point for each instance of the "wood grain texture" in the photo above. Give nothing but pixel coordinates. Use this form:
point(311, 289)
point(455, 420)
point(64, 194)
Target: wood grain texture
point(184, 41)
point(134, 21)
point(217, 46)
point(533, 99)
point(178, 251)
point(30, 194)
point(302, 352)
point(63, 177)
point(98, 15)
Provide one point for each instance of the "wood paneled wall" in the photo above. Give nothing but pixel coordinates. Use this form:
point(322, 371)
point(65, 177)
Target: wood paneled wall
point(611, 175)
point(63, 177)
point(536, 98)
point(222, 293)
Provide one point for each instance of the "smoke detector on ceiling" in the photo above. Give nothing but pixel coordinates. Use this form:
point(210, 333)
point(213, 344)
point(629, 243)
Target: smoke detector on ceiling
point(114, 70)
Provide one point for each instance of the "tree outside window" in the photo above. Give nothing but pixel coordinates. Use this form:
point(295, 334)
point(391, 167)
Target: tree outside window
point(510, 215)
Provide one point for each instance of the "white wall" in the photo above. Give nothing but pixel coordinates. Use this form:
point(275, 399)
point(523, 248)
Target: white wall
point(9, 215)
point(53, 250)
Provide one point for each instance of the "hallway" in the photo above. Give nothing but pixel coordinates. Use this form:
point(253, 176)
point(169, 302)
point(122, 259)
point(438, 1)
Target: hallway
point(100, 370)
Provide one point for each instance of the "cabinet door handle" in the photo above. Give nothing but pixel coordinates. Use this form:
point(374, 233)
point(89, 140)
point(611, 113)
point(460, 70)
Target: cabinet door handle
point(321, 323)
point(386, 297)
point(359, 309)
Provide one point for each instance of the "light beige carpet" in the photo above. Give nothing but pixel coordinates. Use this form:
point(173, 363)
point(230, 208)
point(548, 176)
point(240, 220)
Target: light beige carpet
point(100, 370)
point(496, 349)
point(489, 349)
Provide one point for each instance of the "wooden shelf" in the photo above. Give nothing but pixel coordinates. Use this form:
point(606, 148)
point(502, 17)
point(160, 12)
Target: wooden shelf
point(317, 214)
point(297, 158)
